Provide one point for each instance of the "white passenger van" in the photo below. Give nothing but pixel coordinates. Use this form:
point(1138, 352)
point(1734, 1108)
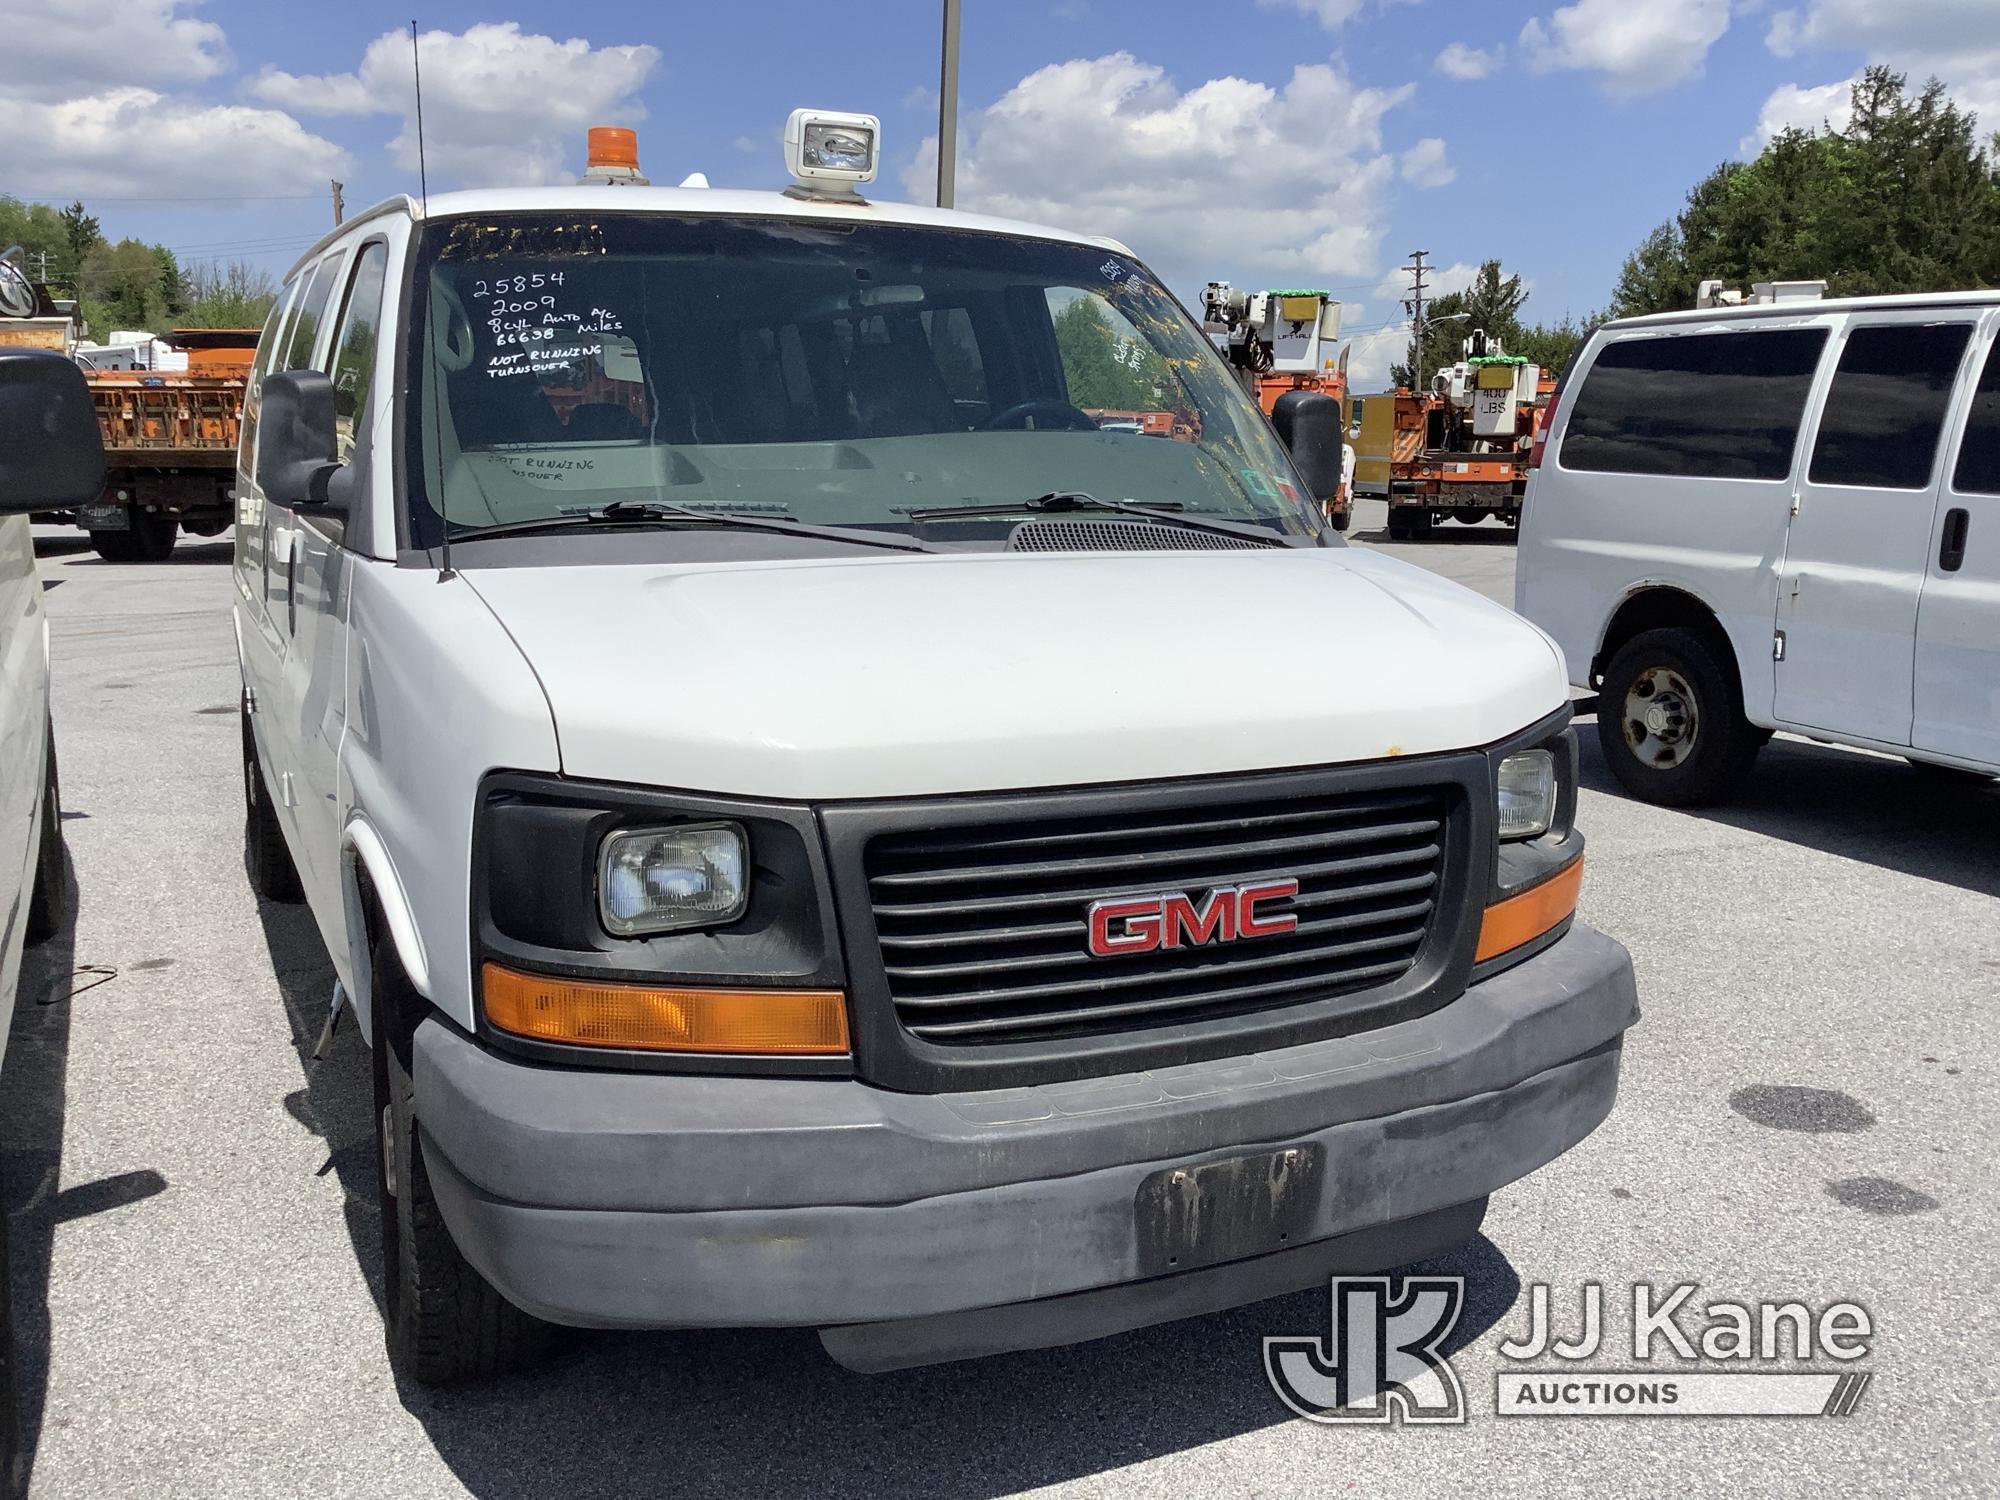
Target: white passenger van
point(1777, 516)
point(818, 832)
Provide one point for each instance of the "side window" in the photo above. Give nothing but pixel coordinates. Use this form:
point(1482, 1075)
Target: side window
point(1106, 364)
point(1885, 410)
point(955, 348)
point(354, 355)
point(312, 307)
point(1978, 471)
point(1704, 405)
point(267, 348)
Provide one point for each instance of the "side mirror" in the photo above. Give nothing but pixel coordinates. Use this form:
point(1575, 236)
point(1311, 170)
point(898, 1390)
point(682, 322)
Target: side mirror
point(51, 452)
point(295, 439)
point(1309, 424)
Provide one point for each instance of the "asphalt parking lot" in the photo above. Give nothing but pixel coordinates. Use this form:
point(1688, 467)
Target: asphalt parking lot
point(195, 1263)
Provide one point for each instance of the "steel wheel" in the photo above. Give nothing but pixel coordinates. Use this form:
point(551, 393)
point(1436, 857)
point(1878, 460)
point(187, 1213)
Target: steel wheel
point(1662, 718)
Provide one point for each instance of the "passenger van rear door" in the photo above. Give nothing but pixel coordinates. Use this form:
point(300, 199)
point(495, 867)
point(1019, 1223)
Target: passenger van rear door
point(1859, 537)
point(1958, 618)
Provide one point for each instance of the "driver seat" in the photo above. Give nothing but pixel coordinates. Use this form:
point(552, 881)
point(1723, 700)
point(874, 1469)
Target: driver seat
point(898, 392)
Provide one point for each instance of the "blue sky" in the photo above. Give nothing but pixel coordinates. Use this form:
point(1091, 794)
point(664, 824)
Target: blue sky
point(1260, 141)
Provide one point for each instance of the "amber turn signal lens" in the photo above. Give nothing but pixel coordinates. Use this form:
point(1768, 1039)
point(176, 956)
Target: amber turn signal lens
point(579, 1013)
point(1523, 918)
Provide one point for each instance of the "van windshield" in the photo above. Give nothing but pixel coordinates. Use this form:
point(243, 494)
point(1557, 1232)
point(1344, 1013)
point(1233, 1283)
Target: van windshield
point(834, 374)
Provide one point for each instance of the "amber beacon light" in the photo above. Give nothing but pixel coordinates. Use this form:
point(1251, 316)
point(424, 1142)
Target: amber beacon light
point(587, 1013)
point(611, 155)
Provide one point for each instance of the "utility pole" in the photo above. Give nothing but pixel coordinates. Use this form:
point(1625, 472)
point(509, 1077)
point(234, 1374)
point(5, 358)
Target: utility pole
point(948, 107)
point(1416, 306)
point(339, 204)
point(42, 266)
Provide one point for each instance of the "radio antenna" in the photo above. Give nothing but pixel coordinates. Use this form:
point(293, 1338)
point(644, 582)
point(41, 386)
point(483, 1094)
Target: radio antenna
point(430, 316)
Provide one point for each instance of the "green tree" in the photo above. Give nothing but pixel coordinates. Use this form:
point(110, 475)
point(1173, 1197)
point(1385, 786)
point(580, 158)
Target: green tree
point(1105, 369)
point(38, 230)
point(236, 295)
point(1904, 198)
point(81, 234)
point(128, 285)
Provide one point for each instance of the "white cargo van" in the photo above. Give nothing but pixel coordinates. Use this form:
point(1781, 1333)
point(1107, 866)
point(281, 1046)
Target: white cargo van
point(1779, 516)
point(819, 832)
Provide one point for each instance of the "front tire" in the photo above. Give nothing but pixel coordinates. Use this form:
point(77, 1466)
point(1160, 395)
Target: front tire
point(49, 900)
point(1670, 721)
point(443, 1322)
point(273, 874)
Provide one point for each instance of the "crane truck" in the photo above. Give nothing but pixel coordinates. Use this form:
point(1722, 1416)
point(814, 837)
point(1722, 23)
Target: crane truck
point(1461, 448)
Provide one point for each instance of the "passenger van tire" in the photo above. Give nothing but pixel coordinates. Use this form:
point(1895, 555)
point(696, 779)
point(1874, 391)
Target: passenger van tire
point(151, 539)
point(443, 1322)
point(273, 875)
point(49, 899)
point(1670, 721)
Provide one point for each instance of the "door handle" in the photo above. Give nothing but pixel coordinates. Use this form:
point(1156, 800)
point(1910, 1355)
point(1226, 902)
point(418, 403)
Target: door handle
point(1951, 547)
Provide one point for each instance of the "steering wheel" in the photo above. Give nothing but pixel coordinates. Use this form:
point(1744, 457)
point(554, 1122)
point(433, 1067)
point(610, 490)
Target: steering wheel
point(1047, 413)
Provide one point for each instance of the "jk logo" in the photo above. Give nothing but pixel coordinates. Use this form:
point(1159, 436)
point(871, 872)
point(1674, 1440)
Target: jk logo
point(1380, 1356)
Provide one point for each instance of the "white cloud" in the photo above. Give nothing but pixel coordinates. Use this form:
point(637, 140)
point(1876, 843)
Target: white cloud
point(1461, 61)
point(134, 142)
point(1370, 354)
point(1639, 49)
point(1438, 280)
point(1957, 41)
point(79, 47)
point(1792, 107)
point(1331, 14)
point(1424, 164)
point(1230, 179)
point(85, 109)
point(500, 106)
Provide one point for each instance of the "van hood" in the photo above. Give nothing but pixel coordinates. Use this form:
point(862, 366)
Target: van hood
point(890, 676)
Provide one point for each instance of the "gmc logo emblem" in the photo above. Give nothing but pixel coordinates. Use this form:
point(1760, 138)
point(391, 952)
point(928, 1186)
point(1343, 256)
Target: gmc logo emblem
point(1172, 919)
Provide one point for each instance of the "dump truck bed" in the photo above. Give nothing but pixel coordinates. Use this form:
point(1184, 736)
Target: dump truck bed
point(167, 420)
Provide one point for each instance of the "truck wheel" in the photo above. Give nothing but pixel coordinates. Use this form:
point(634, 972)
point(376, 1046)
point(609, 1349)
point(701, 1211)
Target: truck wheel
point(273, 875)
point(442, 1320)
point(49, 899)
point(150, 539)
point(1670, 722)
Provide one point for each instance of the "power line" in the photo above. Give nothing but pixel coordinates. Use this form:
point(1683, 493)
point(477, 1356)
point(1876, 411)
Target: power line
point(68, 198)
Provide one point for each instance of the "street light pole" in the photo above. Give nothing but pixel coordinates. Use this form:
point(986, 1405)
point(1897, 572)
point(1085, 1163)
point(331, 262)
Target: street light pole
point(947, 162)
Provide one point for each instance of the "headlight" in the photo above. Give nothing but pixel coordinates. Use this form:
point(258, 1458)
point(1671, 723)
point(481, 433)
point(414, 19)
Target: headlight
point(1527, 791)
point(667, 879)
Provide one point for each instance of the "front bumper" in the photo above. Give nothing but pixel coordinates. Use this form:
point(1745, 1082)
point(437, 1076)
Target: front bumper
point(646, 1200)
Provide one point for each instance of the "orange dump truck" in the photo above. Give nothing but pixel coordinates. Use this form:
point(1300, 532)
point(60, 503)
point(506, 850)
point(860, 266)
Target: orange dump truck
point(169, 447)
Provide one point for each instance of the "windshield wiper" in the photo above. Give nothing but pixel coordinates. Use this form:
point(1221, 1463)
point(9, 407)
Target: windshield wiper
point(1065, 502)
point(661, 513)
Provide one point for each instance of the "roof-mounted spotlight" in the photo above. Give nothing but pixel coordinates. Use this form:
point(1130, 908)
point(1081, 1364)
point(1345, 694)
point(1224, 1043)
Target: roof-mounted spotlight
point(828, 152)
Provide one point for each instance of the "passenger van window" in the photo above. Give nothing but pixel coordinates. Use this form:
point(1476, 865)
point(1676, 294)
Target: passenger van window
point(305, 328)
point(354, 356)
point(1885, 410)
point(1107, 365)
point(1701, 405)
point(1978, 471)
point(253, 388)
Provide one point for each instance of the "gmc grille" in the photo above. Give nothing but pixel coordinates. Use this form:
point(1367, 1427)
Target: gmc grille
point(983, 929)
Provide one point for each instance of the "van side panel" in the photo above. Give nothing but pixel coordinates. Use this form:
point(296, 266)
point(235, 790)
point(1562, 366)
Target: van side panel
point(438, 696)
point(1592, 539)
